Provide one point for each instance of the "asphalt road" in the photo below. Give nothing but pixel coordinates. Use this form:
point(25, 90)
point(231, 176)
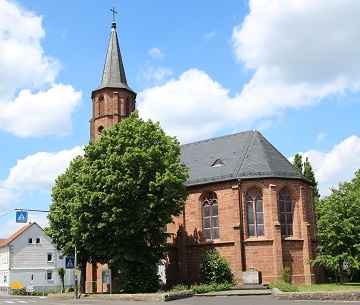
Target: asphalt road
point(226, 300)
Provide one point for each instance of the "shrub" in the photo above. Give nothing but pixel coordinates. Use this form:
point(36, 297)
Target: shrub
point(286, 275)
point(137, 278)
point(214, 268)
point(22, 291)
point(285, 287)
point(179, 287)
point(204, 288)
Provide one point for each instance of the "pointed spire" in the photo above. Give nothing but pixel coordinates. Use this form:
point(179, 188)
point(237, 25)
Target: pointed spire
point(114, 72)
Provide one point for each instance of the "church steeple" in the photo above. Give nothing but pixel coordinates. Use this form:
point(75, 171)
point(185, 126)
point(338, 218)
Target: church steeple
point(113, 100)
point(114, 72)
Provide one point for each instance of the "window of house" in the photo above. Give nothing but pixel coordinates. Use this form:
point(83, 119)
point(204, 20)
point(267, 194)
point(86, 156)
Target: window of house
point(38, 240)
point(286, 219)
point(49, 275)
point(49, 257)
point(210, 216)
point(255, 214)
point(30, 241)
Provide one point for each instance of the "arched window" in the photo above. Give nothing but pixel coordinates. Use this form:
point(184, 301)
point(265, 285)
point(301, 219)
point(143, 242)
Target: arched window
point(255, 214)
point(101, 106)
point(286, 219)
point(210, 216)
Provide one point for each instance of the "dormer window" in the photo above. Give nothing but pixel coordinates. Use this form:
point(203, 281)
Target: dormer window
point(218, 162)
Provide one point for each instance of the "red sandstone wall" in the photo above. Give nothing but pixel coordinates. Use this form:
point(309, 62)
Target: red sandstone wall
point(268, 254)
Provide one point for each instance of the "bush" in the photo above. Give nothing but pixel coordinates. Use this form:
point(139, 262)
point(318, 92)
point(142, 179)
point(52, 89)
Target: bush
point(284, 287)
point(179, 287)
point(204, 288)
point(286, 275)
point(138, 278)
point(22, 291)
point(215, 269)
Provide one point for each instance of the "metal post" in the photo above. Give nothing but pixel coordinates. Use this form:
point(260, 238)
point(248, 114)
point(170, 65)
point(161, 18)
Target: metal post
point(76, 278)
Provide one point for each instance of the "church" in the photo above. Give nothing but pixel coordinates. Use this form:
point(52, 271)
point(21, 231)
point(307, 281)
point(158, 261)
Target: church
point(245, 198)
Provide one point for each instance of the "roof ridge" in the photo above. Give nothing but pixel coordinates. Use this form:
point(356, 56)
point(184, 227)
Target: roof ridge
point(18, 233)
point(246, 148)
point(219, 137)
point(258, 134)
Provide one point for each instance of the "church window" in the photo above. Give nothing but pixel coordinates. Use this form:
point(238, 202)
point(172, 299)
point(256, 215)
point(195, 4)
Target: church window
point(210, 208)
point(286, 219)
point(127, 107)
point(101, 106)
point(255, 214)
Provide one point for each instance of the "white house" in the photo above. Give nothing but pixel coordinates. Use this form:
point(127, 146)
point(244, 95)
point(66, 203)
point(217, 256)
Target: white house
point(28, 258)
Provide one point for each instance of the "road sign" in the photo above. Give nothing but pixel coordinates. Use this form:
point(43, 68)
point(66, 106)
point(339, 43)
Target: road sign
point(16, 285)
point(76, 271)
point(69, 262)
point(21, 216)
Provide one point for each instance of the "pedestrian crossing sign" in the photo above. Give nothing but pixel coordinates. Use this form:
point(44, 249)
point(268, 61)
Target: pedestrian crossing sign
point(69, 262)
point(21, 216)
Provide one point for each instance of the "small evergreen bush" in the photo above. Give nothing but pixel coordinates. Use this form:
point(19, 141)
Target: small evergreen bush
point(215, 269)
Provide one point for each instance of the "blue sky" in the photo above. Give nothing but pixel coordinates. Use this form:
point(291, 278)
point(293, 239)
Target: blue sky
point(290, 69)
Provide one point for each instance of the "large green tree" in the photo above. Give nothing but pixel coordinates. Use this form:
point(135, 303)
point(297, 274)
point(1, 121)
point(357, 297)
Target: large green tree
point(117, 199)
point(339, 227)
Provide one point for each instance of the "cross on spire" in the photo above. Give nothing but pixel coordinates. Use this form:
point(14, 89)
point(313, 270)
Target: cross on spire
point(114, 12)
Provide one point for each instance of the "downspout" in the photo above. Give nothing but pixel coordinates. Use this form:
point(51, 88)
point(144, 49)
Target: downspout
point(242, 248)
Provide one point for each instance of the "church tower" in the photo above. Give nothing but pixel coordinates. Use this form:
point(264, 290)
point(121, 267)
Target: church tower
point(113, 100)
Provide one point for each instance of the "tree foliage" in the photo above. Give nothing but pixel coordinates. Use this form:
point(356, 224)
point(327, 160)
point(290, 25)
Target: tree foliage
point(115, 201)
point(306, 169)
point(339, 227)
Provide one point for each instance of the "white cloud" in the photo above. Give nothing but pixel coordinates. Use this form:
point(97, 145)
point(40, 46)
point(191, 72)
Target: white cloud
point(26, 69)
point(8, 199)
point(155, 76)
point(210, 35)
point(186, 110)
point(156, 53)
point(40, 113)
point(298, 53)
point(337, 165)
point(38, 172)
point(321, 136)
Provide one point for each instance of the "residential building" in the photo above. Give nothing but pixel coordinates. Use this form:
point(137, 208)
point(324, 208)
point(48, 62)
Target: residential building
point(29, 257)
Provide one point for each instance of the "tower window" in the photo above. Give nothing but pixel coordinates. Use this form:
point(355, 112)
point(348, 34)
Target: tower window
point(101, 106)
point(255, 214)
point(100, 129)
point(286, 219)
point(210, 208)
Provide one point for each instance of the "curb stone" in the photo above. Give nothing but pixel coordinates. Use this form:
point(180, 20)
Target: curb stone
point(344, 295)
point(151, 297)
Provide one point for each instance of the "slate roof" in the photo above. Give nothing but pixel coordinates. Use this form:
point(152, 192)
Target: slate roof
point(114, 72)
point(244, 155)
point(5, 242)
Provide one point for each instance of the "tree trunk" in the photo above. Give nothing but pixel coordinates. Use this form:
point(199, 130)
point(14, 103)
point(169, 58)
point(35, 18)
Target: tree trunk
point(341, 273)
point(83, 277)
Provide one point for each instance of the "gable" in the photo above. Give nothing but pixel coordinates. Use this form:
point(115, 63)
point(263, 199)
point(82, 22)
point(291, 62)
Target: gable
point(244, 155)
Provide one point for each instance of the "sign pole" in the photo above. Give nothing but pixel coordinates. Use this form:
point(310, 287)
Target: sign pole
point(76, 278)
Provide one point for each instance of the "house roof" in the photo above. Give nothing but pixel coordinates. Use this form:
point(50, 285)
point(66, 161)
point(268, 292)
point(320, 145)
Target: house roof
point(114, 72)
point(5, 242)
point(244, 155)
